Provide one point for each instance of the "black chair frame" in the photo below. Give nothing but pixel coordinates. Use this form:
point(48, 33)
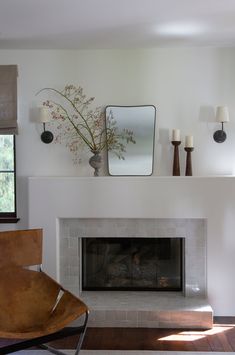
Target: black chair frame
point(41, 341)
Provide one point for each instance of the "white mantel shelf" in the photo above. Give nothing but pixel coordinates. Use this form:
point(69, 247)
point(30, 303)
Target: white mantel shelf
point(211, 198)
point(151, 177)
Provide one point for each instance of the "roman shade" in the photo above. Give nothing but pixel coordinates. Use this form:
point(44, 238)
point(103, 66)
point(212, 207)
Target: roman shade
point(8, 99)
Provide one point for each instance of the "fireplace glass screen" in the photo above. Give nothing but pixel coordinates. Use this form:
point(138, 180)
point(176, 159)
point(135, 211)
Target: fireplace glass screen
point(132, 264)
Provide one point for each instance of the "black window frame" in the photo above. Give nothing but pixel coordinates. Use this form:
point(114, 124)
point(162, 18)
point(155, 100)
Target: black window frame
point(11, 217)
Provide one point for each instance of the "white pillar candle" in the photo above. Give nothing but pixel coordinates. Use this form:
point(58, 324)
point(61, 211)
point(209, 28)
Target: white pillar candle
point(176, 135)
point(189, 142)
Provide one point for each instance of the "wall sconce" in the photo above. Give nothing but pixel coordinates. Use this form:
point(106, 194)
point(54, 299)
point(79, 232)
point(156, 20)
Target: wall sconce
point(222, 116)
point(44, 117)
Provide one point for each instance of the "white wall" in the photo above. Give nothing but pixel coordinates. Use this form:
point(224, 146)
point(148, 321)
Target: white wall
point(183, 84)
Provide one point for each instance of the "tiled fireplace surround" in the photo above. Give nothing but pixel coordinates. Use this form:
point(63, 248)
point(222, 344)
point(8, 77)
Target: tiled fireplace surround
point(142, 309)
point(139, 207)
point(192, 230)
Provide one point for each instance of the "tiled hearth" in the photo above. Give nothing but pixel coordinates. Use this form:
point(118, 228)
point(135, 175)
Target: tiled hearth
point(189, 309)
point(147, 310)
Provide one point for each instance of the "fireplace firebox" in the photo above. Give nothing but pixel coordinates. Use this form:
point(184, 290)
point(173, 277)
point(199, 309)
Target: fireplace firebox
point(132, 264)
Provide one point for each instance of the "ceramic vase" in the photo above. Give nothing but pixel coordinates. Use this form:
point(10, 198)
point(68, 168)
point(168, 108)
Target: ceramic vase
point(96, 161)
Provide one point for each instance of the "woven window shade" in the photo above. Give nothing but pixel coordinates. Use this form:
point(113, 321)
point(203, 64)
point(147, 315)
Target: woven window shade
point(8, 99)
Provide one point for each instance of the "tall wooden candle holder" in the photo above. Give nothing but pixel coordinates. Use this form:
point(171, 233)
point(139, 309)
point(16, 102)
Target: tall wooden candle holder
point(176, 160)
point(188, 168)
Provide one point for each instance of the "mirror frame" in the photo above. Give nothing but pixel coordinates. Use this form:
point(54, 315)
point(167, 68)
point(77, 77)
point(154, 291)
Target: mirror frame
point(154, 133)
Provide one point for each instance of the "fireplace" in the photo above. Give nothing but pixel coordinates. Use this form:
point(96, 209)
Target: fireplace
point(145, 207)
point(137, 272)
point(185, 238)
point(139, 264)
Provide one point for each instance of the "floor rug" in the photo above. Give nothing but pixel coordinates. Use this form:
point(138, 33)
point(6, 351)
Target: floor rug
point(122, 352)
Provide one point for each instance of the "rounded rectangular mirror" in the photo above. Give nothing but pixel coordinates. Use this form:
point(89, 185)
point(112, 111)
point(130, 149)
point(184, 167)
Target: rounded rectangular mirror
point(133, 130)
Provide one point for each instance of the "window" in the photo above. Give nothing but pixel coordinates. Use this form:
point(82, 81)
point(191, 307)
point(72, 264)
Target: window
point(7, 177)
point(8, 128)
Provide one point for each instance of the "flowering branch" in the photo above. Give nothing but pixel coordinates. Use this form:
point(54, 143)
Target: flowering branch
point(80, 126)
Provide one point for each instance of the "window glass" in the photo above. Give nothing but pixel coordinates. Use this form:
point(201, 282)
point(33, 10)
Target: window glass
point(7, 174)
point(7, 152)
point(7, 193)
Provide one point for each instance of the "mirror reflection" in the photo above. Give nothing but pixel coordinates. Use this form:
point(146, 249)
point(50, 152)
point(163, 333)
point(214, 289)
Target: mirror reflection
point(138, 157)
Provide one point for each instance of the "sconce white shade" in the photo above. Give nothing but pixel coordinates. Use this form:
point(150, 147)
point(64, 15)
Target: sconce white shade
point(222, 114)
point(43, 114)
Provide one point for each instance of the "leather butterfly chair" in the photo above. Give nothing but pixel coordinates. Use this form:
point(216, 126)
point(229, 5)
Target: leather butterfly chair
point(32, 305)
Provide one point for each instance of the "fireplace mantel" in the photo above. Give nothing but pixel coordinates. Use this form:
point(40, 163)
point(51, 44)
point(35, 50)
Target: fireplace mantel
point(210, 198)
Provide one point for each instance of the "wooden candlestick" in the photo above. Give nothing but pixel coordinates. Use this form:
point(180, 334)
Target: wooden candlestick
point(176, 160)
point(188, 168)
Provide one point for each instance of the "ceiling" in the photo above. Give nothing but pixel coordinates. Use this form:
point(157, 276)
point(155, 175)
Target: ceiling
point(88, 24)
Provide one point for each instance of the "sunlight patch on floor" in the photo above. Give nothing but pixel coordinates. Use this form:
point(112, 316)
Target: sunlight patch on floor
point(182, 337)
point(214, 330)
point(193, 335)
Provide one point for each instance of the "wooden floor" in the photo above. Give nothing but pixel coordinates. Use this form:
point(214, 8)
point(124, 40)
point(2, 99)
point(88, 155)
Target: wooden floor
point(220, 338)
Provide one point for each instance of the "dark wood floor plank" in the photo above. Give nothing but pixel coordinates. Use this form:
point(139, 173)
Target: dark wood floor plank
point(157, 339)
point(230, 334)
point(225, 342)
point(220, 338)
point(215, 343)
point(202, 345)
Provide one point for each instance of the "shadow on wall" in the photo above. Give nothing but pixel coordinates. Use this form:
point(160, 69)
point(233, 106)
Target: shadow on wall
point(164, 153)
point(207, 114)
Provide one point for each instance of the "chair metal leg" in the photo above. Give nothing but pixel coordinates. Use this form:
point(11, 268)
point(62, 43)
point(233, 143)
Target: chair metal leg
point(79, 345)
point(82, 335)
